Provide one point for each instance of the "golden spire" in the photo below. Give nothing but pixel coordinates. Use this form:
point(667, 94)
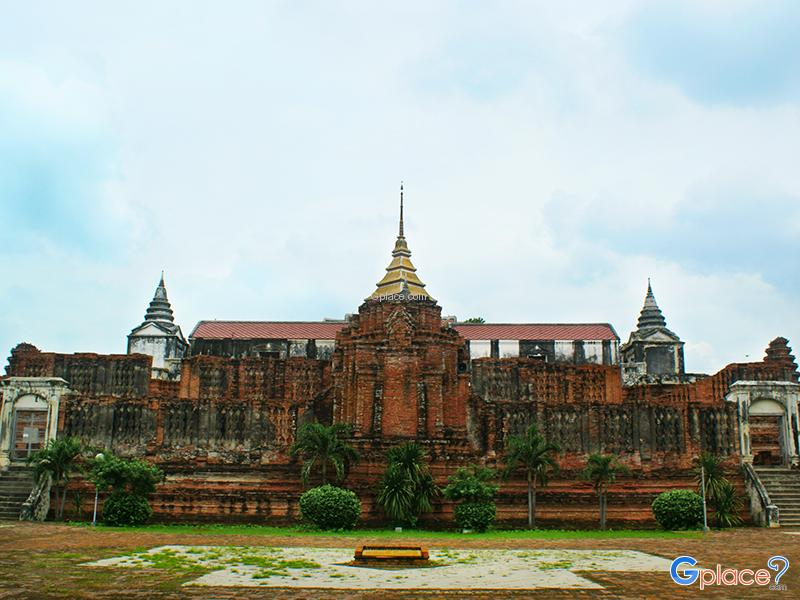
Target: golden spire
point(401, 275)
point(401, 211)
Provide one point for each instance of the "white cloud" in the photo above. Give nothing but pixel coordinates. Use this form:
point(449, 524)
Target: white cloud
point(256, 152)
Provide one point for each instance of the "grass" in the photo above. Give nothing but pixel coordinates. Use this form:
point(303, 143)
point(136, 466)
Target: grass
point(300, 531)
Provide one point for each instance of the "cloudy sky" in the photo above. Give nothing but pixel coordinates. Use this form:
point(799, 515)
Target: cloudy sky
point(554, 154)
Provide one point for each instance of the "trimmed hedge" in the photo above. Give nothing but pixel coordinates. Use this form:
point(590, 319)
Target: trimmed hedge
point(475, 515)
point(678, 509)
point(330, 507)
point(123, 509)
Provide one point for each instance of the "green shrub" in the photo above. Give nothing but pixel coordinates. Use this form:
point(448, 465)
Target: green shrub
point(125, 475)
point(678, 509)
point(727, 504)
point(123, 509)
point(330, 507)
point(472, 484)
point(475, 515)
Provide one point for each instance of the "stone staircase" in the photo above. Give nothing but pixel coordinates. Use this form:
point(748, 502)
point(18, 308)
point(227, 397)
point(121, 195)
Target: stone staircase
point(16, 484)
point(783, 486)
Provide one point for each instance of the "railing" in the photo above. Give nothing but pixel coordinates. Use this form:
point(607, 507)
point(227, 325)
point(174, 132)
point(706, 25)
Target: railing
point(764, 512)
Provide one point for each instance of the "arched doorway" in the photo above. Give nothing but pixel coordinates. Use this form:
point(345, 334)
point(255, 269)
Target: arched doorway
point(30, 426)
point(767, 442)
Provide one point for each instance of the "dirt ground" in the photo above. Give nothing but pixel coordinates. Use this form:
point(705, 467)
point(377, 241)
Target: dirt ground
point(41, 560)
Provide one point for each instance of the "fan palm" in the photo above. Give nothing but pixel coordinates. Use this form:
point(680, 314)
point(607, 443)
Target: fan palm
point(322, 445)
point(532, 453)
point(602, 470)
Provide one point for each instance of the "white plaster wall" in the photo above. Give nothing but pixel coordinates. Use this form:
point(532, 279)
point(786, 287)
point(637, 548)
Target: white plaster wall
point(565, 350)
point(325, 348)
point(297, 348)
point(593, 352)
point(508, 348)
point(480, 348)
point(152, 346)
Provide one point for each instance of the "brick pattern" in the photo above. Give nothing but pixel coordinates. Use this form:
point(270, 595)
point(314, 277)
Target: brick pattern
point(223, 431)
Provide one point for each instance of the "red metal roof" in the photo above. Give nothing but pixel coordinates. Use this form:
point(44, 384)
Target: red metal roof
point(317, 330)
point(537, 331)
point(266, 330)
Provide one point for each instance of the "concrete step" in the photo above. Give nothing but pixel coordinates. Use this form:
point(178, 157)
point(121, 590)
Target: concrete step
point(17, 498)
point(14, 498)
point(15, 481)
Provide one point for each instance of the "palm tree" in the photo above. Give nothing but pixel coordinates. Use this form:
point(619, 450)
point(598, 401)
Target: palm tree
point(57, 460)
point(532, 453)
point(602, 470)
point(727, 505)
point(407, 489)
point(714, 474)
point(322, 445)
point(396, 494)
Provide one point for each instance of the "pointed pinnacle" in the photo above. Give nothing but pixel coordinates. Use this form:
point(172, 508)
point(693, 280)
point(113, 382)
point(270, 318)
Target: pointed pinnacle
point(400, 234)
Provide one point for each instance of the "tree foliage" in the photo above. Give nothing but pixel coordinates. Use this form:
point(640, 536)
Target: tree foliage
point(123, 509)
point(321, 445)
point(715, 478)
point(727, 504)
point(720, 493)
point(533, 454)
point(407, 489)
point(602, 470)
point(472, 484)
point(130, 480)
point(678, 509)
point(475, 515)
point(473, 487)
point(59, 460)
point(131, 476)
point(330, 507)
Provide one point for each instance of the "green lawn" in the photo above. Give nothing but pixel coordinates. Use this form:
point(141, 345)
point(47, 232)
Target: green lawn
point(297, 531)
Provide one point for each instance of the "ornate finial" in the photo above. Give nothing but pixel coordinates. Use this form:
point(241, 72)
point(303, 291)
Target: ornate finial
point(401, 210)
point(159, 309)
point(401, 274)
point(651, 315)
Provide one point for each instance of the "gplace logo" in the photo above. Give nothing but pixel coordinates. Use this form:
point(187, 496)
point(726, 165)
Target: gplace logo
point(719, 576)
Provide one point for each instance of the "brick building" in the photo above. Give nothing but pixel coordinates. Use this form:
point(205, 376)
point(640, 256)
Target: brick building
point(220, 412)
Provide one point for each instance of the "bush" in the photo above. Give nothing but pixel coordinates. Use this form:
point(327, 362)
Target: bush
point(330, 507)
point(727, 504)
point(475, 515)
point(472, 484)
point(678, 509)
point(125, 475)
point(122, 509)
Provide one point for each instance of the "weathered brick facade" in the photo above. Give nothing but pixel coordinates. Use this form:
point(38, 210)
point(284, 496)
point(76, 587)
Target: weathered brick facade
point(223, 431)
point(222, 426)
